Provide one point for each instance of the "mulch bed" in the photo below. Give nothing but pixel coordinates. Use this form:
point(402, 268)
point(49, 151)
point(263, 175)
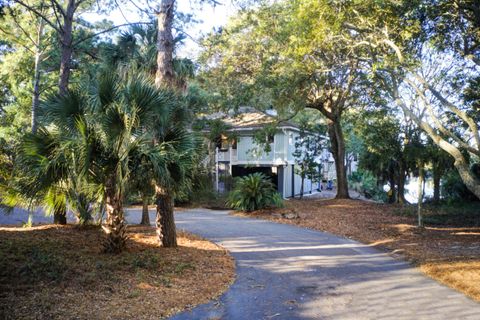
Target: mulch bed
point(60, 272)
point(450, 254)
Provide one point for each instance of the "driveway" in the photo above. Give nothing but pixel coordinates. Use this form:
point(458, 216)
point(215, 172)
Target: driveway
point(286, 272)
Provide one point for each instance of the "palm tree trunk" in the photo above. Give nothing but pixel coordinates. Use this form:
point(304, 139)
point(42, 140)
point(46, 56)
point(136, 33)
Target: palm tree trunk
point(165, 221)
point(145, 216)
point(60, 215)
point(115, 226)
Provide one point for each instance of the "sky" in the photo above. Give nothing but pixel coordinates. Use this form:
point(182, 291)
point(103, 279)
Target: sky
point(208, 17)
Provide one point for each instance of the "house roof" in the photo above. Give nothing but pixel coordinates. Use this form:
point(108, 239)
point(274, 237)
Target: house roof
point(250, 118)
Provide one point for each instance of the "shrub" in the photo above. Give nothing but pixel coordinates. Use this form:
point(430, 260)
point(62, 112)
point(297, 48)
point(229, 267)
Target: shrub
point(454, 189)
point(364, 182)
point(254, 192)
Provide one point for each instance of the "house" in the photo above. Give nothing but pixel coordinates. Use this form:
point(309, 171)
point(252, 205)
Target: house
point(241, 155)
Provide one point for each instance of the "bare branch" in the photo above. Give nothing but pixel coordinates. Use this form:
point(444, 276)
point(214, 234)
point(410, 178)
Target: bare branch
point(438, 123)
point(461, 114)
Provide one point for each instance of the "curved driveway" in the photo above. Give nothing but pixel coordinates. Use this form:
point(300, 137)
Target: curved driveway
point(286, 272)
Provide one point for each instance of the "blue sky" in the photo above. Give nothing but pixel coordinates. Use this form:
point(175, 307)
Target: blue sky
point(208, 16)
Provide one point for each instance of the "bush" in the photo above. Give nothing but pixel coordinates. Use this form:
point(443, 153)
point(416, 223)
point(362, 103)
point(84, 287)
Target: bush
point(364, 182)
point(453, 188)
point(254, 192)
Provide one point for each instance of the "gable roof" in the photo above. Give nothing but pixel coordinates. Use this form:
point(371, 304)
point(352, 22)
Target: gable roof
point(249, 119)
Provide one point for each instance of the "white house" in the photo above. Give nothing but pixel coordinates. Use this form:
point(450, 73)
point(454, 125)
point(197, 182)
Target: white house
point(241, 156)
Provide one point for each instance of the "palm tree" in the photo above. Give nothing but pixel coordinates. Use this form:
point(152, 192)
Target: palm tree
point(138, 47)
point(179, 144)
point(111, 125)
point(40, 176)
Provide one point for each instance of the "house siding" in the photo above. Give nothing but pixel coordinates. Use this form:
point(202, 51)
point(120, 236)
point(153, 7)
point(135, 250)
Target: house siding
point(250, 155)
point(249, 151)
point(291, 136)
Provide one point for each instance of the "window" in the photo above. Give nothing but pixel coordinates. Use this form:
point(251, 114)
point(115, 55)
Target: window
point(234, 144)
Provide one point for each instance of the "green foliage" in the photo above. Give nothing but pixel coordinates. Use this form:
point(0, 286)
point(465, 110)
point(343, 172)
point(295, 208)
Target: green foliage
point(146, 260)
point(454, 189)
point(99, 138)
point(308, 147)
point(364, 182)
point(254, 192)
point(200, 182)
point(42, 265)
point(448, 212)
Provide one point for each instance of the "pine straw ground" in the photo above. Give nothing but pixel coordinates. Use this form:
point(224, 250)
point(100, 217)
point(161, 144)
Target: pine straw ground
point(449, 254)
point(53, 272)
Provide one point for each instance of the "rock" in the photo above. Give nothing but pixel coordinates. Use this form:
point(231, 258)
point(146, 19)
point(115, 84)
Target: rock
point(290, 216)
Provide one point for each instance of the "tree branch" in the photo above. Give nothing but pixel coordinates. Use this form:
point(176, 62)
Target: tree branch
point(461, 114)
point(39, 14)
point(106, 30)
point(438, 123)
point(59, 7)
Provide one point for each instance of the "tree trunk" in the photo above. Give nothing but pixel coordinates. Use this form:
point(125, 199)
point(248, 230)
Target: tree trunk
point(212, 163)
point(145, 216)
point(468, 177)
point(165, 74)
point(437, 176)
point(420, 195)
point(337, 142)
point(60, 215)
point(36, 75)
point(164, 220)
point(401, 183)
point(391, 193)
point(115, 226)
point(301, 188)
point(66, 48)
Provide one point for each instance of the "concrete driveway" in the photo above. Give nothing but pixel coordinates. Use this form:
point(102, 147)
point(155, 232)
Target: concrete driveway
point(286, 272)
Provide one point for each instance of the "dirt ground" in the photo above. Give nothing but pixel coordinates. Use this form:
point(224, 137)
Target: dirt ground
point(449, 254)
point(59, 272)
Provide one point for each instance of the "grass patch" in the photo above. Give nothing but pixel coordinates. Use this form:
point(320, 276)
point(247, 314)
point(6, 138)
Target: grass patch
point(60, 272)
